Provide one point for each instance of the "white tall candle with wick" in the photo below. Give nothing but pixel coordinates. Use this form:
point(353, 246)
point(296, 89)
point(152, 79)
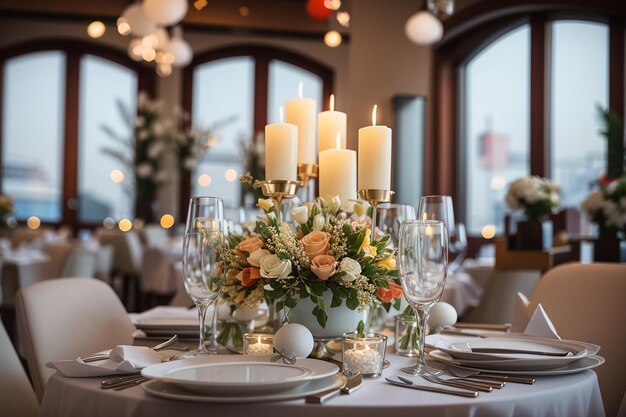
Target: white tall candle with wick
point(374, 156)
point(337, 172)
point(329, 123)
point(301, 112)
point(281, 151)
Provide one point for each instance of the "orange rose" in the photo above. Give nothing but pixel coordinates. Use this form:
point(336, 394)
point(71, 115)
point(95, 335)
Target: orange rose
point(315, 244)
point(249, 276)
point(387, 295)
point(323, 266)
point(396, 290)
point(246, 247)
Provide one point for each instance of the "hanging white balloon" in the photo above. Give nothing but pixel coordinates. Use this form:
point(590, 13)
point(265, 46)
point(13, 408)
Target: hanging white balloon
point(181, 50)
point(165, 12)
point(423, 28)
point(139, 23)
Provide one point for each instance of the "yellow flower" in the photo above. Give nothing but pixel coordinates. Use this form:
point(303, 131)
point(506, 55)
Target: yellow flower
point(370, 251)
point(389, 263)
point(366, 240)
point(265, 204)
point(359, 209)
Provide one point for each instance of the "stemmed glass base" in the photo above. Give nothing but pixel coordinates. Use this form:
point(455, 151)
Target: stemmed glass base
point(421, 368)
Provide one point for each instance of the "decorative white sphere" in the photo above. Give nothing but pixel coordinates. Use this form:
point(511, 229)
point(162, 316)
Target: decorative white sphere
point(294, 337)
point(423, 28)
point(442, 315)
point(139, 24)
point(165, 12)
point(181, 50)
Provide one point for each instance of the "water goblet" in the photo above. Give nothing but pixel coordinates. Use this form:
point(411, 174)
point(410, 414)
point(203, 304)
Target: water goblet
point(422, 261)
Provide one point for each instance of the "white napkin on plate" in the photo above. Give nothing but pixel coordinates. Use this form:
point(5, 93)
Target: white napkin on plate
point(531, 323)
point(123, 359)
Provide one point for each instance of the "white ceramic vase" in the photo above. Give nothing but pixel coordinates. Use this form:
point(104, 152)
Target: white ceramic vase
point(340, 319)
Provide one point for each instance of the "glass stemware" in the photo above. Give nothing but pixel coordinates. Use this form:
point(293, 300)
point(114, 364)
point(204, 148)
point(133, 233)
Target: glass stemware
point(203, 276)
point(390, 217)
point(422, 261)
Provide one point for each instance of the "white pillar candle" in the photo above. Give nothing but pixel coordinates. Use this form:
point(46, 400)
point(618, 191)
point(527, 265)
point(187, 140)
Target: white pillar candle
point(337, 173)
point(328, 124)
point(374, 156)
point(281, 151)
point(301, 112)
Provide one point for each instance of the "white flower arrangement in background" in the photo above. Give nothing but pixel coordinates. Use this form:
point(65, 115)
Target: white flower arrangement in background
point(606, 206)
point(537, 197)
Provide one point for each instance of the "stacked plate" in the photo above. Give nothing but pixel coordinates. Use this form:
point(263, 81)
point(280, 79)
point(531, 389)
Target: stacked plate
point(229, 378)
point(514, 354)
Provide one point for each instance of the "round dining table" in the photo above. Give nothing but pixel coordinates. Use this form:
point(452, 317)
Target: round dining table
point(573, 395)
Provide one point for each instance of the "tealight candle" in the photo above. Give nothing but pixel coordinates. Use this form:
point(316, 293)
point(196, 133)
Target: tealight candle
point(364, 355)
point(301, 113)
point(374, 156)
point(258, 343)
point(329, 124)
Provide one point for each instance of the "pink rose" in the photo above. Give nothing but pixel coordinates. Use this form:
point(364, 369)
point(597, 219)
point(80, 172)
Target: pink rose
point(246, 247)
point(315, 243)
point(323, 266)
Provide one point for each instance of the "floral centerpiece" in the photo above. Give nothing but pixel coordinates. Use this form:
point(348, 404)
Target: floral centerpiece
point(606, 206)
point(328, 253)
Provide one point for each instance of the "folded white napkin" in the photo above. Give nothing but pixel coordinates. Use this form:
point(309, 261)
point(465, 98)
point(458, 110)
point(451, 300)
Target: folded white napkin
point(531, 323)
point(123, 359)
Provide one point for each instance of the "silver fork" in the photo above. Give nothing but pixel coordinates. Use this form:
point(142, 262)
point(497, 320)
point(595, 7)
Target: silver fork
point(459, 384)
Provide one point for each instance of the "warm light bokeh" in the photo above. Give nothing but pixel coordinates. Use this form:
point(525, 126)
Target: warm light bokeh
point(33, 222)
point(125, 225)
point(167, 221)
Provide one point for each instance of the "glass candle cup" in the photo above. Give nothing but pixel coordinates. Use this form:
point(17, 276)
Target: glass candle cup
point(406, 336)
point(364, 355)
point(258, 343)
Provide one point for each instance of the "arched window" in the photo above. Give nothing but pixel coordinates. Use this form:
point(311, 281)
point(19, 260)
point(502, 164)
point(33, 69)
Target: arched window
point(238, 90)
point(56, 97)
point(517, 94)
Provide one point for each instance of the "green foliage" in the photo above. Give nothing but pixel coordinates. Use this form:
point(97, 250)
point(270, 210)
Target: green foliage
point(613, 130)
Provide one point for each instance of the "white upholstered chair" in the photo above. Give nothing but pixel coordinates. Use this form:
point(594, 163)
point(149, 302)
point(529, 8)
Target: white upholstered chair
point(154, 236)
point(66, 318)
point(17, 398)
point(586, 302)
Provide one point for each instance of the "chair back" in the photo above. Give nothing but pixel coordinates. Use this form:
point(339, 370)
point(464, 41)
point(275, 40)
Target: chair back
point(586, 302)
point(127, 249)
point(157, 275)
point(82, 262)
point(66, 318)
point(59, 254)
point(17, 398)
point(154, 236)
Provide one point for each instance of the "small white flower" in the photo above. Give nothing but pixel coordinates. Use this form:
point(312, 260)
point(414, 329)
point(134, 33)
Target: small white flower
point(255, 257)
point(285, 228)
point(612, 187)
point(300, 214)
point(350, 266)
point(265, 204)
point(273, 267)
point(144, 170)
point(334, 203)
point(319, 222)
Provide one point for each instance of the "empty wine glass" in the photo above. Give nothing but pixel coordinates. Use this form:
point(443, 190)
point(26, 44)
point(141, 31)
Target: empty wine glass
point(390, 217)
point(457, 247)
point(203, 277)
point(422, 261)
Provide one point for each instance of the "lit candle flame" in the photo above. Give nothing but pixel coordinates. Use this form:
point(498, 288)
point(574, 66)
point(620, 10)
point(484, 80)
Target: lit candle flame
point(374, 114)
point(300, 89)
point(428, 231)
point(259, 340)
point(281, 113)
point(425, 216)
point(338, 140)
point(332, 102)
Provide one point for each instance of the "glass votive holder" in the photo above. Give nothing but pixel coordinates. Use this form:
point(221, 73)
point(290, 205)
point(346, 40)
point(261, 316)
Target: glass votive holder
point(406, 336)
point(258, 343)
point(364, 355)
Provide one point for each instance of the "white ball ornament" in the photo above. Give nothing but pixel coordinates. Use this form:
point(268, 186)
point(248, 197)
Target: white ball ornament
point(181, 50)
point(139, 24)
point(165, 12)
point(442, 315)
point(294, 337)
point(423, 28)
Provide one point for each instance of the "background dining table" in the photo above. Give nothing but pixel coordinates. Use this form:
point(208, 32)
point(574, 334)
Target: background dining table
point(573, 395)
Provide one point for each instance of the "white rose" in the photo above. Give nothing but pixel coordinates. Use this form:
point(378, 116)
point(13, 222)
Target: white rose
point(273, 267)
point(350, 266)
point(300, 214)
point(255, 257)
point(144, 170)
point(319, 222)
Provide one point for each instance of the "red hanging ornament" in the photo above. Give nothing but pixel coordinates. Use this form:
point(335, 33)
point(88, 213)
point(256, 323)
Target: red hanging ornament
point(317, 10)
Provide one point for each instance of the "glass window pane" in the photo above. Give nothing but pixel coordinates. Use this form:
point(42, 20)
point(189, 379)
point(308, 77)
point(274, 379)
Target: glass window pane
point(32, 133)
point(101, 192)
point(579, 82)
point(283, 85)
point(223, 100)
point(497, 126)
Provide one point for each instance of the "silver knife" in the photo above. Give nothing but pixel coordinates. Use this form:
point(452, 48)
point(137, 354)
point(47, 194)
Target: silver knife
point(470, 394)
point(351, 385)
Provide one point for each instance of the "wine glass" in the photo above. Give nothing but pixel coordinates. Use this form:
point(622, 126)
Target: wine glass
point(457, 247)
point(422, 261)
point(391, 216)
point(204, 234)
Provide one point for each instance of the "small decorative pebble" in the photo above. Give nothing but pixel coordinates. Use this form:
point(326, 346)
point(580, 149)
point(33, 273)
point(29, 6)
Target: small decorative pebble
point(365, 361)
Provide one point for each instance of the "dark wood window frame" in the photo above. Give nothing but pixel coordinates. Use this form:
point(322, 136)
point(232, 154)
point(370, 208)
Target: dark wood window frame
point(467, 34)
point(74, 50)
point(262, 56)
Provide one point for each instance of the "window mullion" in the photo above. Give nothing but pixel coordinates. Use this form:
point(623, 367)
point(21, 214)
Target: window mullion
point(70, 165)
point(539, 105)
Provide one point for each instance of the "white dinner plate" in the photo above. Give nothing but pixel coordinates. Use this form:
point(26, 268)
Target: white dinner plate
point(238, 375)
point(579, 365)
point(165, 390)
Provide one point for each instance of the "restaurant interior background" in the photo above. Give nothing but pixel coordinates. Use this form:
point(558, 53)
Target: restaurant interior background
point(511, 89)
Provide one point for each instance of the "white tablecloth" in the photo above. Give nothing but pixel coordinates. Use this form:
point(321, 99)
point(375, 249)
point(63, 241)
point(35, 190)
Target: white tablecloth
point(576, 395)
